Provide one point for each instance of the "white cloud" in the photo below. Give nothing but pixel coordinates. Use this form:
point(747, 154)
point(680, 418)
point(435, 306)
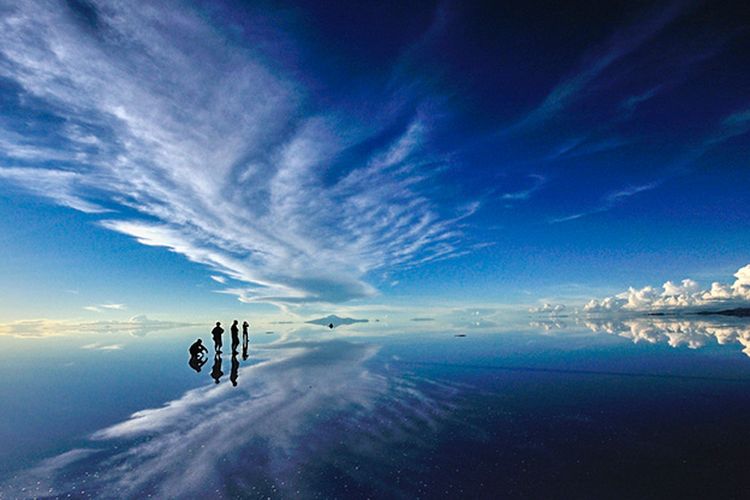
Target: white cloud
point(100, 307)
point(215, 156)
point(610, 201)
point(525, 194)
point(672, 296)
point(58, 185)
point(548, 308)
point(219, 279)
point(98, 346)
point(116, 307)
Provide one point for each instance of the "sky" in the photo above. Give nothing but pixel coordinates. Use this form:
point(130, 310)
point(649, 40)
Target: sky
point(187, 160)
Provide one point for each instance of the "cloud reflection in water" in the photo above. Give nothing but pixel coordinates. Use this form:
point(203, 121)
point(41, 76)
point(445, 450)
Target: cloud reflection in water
point(291, 415)
point(676, 332)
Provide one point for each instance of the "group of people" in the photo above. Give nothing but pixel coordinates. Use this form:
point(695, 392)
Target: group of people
point(218, 331)
point(197, 350)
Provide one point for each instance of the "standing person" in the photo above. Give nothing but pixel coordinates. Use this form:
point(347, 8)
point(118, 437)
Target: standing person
point(245, 326)
point(217, 333)
point(235, 336)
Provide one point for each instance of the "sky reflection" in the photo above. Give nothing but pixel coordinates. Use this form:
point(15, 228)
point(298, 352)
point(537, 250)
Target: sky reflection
point(361, 411)
point(263, 426)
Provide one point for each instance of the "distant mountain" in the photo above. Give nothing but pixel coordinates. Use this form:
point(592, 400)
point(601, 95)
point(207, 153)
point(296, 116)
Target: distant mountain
point(740, 312)
point(335, 321)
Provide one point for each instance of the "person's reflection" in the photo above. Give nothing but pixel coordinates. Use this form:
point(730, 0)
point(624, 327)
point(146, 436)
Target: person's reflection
point(216, 372)
point(235, 370)
point(197, 362)
point(244, 349)
point(197, 357)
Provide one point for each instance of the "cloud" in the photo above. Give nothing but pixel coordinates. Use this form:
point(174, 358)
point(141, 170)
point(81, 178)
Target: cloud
point(188, 140)
point(525, 194)
point(281, 421)
point(610, 201)
point(99, 307)
point(693, 334)
point(677, 296)
point(42, 328)
point(58, 185)
point(617, 47)
point(97, 346)
point(219, 279)
point(547, 308)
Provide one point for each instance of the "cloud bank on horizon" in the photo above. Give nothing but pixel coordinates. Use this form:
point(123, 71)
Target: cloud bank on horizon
point(677, 296)
point(181, 137)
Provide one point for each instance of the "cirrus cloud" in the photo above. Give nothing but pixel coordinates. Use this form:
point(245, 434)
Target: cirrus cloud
point(190, 140)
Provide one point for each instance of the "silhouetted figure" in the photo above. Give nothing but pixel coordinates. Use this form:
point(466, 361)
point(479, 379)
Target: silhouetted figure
point(244, 349)
point(330, 325)
point(245, 338)
point(197, 362)
point(216, 372)
point(235, 336)
point(217, 333)
point(197, 349)
point(197, 359)
point(235, 370)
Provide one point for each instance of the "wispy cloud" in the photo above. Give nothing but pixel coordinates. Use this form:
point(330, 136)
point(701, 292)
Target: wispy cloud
point(538, 182)
point(609, 201)
point(193, 143)
point(98, 346)
point(618, 46)
point(102, 307)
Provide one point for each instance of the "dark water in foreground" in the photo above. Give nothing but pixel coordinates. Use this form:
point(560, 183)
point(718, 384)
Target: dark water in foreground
point(539, 411)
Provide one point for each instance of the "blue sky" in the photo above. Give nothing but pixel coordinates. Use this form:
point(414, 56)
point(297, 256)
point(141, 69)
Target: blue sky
point(191, 159)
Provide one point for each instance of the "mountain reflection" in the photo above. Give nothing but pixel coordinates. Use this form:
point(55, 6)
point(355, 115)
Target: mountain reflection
point(676, 332)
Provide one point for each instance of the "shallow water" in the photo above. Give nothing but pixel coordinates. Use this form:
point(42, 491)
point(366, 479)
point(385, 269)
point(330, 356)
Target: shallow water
point(553, 408)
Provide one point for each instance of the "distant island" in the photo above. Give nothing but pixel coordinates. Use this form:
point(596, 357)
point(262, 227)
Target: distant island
point(737, 312)
point(335, 321)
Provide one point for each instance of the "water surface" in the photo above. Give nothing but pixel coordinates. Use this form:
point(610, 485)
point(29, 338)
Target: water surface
point(558, 407)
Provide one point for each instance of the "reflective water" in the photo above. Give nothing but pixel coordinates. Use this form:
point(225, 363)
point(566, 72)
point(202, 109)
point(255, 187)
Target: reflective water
point(559, 407)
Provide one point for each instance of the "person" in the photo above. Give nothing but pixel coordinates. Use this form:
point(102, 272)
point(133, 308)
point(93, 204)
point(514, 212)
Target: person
point(217, 332)
point(235, 336)
point(245, 326)
point(216, 372)
point(197, 349)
